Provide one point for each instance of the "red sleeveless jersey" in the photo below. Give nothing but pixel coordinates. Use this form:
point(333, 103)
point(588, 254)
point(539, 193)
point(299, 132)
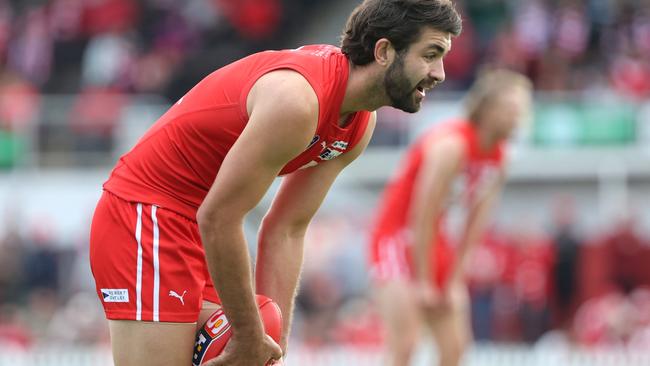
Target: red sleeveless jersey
point(174, 164)
point(480, 168)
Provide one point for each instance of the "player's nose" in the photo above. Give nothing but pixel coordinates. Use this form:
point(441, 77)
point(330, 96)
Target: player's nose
point(437, 71)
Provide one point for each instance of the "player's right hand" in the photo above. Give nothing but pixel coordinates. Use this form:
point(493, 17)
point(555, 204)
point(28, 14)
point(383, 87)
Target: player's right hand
point(247, 352)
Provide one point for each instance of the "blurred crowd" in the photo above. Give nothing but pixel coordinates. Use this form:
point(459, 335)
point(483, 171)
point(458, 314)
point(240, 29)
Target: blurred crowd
point(129, 46)
point(563, 45)
point(164, 47)
point(45, 294)
point(98, 51)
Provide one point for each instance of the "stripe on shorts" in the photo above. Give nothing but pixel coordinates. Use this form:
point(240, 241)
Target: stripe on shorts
point(138, 281)
point(156, 265)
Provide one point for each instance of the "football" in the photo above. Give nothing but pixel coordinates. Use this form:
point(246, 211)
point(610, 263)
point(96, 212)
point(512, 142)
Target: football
point(215, 333)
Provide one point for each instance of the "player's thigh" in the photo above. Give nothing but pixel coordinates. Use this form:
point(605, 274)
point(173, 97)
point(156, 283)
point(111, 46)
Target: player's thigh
point(399, 311)
point(137, 343)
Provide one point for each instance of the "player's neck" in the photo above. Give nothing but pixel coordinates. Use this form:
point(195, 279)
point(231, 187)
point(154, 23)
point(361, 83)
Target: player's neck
point(364, 91)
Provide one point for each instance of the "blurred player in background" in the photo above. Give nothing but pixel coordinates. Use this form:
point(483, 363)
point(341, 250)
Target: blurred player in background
point(419, 276)
point(169, 224)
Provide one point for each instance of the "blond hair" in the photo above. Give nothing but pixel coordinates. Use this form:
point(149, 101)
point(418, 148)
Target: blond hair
point(490, 84)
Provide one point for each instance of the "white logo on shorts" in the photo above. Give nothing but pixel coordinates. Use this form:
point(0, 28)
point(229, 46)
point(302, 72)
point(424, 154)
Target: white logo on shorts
point(173, 293)
point(115, 294)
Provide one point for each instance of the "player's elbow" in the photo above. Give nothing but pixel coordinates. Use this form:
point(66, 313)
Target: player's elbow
point(203, 216)
point(276, 227)
point(212, 219)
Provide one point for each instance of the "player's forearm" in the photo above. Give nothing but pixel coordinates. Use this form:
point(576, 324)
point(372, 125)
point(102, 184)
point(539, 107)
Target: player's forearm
point(474, 227)
point(423, 250)
point(279, 262)
point(229, 264)
point(467, 243)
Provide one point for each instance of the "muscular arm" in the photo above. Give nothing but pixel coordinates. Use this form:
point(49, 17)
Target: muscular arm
point(283, 229)
point(283, 113)
point(442, 162)
point(475, 224)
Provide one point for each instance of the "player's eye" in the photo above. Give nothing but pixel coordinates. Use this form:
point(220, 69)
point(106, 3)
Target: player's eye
point(431, 57)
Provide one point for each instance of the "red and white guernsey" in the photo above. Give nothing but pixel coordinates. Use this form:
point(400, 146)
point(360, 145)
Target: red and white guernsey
point(390, 252)
point(175, 162)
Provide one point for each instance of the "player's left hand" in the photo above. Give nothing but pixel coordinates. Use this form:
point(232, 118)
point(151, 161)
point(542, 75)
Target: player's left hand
point(455, 294)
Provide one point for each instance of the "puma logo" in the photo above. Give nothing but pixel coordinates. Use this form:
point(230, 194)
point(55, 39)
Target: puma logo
point(173, 293)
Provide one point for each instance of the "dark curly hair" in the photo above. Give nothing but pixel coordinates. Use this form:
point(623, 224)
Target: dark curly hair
point(399, 21)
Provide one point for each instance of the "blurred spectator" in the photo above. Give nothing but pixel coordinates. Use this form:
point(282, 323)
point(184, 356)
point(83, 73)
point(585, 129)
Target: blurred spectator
point(94, 117)
point(107, 60)
point(41, 305)
point(318, 302)
point(253, 19)
point(529, 269)
point(30, 51)
point(615, 319)
point(510, 285)
point(107, 16)
point(564, 273)
point(6, 15)
point(14, 332)
point(40, 262)
point(80, 322)
point(12, 256)
point(19, 102)
point(358, 324)
point(485, 273)
point(629, 255)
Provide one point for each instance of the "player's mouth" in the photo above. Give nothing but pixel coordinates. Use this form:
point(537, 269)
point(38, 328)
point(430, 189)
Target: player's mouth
point(422, 89)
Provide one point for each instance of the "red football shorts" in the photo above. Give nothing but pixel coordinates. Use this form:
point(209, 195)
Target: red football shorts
point(391, 258)
point(148, 262)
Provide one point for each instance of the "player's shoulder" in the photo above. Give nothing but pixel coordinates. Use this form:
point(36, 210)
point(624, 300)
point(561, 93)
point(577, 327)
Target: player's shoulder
point(287, 90)
point(445, 140)
point(451, 134)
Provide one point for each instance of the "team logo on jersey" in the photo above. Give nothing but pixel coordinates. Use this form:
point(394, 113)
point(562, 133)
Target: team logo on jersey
point(328, 152)
point(335, 149)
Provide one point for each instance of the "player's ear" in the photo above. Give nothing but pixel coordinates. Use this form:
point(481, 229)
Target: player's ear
point(384, 52)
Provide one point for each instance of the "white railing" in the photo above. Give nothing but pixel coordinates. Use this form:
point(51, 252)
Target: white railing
point(48, 138)
point(483, 355)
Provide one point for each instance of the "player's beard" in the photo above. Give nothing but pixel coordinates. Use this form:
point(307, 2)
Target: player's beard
point(398, 87)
